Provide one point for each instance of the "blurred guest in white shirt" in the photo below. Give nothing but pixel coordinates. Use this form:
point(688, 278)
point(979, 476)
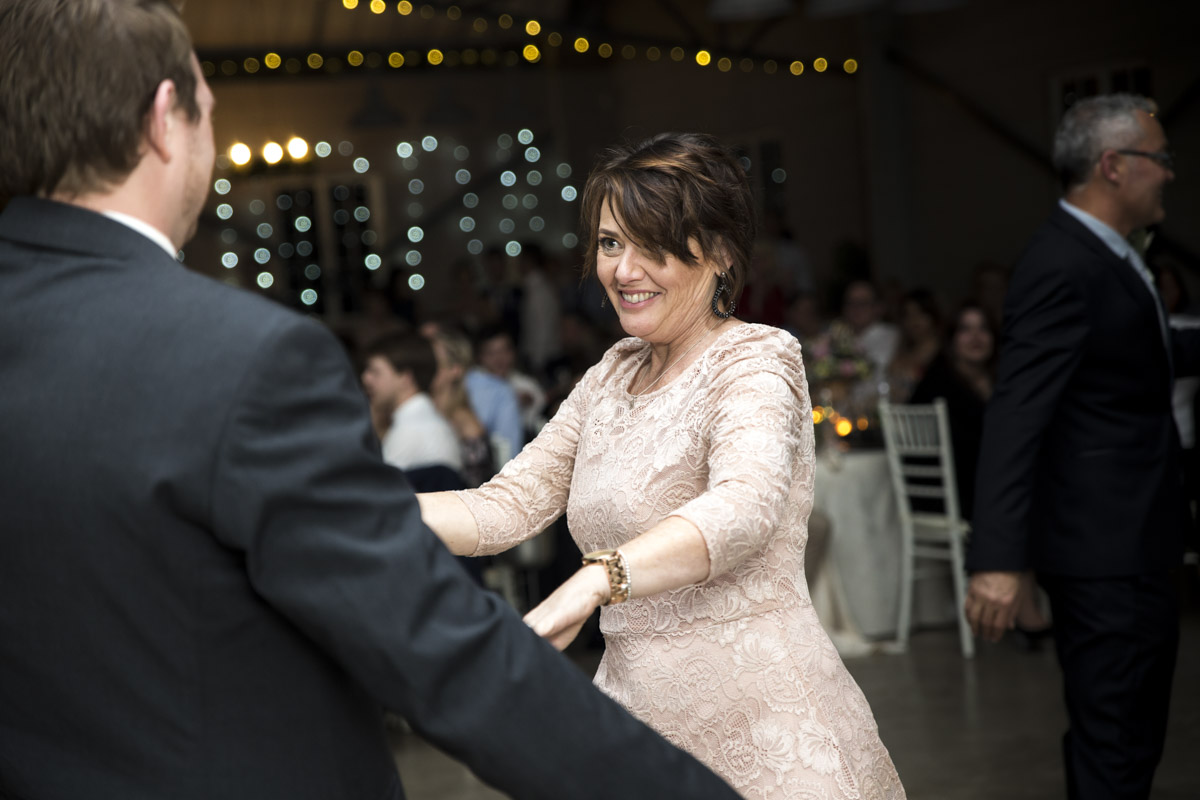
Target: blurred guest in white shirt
point(397, 378)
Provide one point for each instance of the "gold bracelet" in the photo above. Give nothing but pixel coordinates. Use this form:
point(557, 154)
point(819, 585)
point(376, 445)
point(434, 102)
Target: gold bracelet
point(617, 568)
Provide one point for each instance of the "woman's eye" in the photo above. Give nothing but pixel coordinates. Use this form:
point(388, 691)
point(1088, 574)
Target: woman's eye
point(609, 245)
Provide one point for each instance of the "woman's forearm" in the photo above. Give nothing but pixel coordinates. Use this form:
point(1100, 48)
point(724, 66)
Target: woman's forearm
point(449, 518)
point(671, 555)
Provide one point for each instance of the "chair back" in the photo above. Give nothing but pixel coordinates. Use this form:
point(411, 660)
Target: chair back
point(916, 438)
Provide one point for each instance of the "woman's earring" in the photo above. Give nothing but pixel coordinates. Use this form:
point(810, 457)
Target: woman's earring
point(603, 297)
point(723, 288)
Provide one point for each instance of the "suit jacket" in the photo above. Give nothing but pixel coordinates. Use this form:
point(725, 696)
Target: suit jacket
point(1079, 471)
point(210, 583)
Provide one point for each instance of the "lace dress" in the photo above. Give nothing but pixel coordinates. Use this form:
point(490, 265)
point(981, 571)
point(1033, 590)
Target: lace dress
point(736, 670)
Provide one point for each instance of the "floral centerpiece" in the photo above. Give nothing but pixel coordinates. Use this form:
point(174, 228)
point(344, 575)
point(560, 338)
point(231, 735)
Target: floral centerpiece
point(840, 377)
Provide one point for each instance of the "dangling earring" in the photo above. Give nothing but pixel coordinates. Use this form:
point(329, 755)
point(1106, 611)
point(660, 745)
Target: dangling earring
point(603, 297)
point(722, 288)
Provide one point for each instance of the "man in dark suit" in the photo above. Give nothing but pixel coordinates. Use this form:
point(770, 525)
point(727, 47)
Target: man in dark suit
point(1079, 475)
point(210, 583)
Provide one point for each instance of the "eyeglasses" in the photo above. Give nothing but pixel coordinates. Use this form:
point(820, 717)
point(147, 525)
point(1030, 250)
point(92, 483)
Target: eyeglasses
point(1165, 158)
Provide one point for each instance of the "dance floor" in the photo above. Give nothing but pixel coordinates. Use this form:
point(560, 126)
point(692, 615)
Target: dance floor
point(987, 729)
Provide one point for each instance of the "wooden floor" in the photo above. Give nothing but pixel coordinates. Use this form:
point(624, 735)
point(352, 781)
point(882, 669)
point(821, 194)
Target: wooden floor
point(987, 729)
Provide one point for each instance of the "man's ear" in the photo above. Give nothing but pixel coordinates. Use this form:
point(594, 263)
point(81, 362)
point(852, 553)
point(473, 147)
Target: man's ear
point(1110, 166)
point(161, 120)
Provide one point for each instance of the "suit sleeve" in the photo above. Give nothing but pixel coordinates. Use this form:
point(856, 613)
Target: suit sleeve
point(333, 540)
point(1045, 326)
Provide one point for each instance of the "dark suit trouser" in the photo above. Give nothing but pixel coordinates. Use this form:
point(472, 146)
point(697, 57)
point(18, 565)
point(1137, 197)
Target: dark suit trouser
point(1116, 640)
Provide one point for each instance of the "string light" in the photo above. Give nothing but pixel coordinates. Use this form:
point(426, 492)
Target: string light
point(297, 148)
point(240, 154)
point(530, 52)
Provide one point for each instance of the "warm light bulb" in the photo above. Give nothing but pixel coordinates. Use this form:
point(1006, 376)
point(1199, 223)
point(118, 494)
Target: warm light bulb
point(272, 152)
point(297, 148)
point(240, 154)
point(581, 45)
point(533, 28)
point(851, 66)
point(531, 53)
point(703, 58)
point(820, 64)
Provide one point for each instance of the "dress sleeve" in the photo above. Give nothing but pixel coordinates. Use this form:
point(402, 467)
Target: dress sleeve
point(760, 445)
point(530, 492)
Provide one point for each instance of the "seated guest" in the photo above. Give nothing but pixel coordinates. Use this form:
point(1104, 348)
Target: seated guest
point(963, 375)
point(494, 403)
point(498, 355)
point(863, 314)
point(804, 319)
point(397, 379)
point(453, 351)
point(920, 342)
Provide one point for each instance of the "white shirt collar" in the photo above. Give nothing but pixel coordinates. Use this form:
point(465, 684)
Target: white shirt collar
point(1115, 241)
point(145, 229)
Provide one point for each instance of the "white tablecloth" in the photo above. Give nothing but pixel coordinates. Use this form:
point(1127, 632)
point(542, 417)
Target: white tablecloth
point(856, 588)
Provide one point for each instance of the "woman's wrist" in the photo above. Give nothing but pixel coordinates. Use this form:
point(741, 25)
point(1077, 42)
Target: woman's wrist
point(616, 574)
point(597, 582)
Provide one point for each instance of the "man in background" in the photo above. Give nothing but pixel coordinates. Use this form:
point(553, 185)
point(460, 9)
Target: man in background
point(397, 379)
point(1080, 475)
point(210, 583)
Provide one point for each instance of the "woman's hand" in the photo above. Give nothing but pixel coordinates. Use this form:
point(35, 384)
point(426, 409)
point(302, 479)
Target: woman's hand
point(559, 617)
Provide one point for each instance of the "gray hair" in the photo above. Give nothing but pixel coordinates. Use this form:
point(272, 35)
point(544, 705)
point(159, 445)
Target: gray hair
point(1090, 127)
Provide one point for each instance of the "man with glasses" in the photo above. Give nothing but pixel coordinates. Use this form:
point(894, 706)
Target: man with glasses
point(1080, 475)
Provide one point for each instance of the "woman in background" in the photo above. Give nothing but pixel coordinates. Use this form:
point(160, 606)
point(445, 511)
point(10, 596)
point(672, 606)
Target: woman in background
point(453, 351)
point(921, 340)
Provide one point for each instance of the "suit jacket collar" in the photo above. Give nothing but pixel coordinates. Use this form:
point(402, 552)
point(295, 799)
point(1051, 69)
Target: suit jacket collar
point(1125, 272)
point(1122, 269)
point(49, 225)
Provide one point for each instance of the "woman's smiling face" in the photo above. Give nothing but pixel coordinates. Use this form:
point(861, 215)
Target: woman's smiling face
point(660, 302)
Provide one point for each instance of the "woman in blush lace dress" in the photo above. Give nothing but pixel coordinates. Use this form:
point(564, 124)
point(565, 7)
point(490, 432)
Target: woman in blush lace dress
point(684, 462)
